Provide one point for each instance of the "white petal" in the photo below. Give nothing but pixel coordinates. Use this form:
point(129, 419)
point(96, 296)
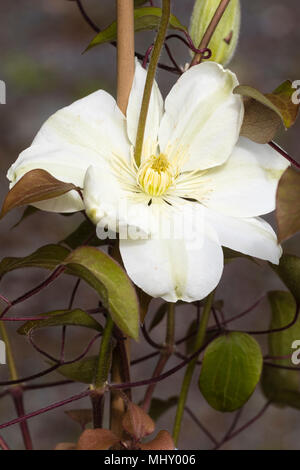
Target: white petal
point(203, 117)
point(154, 113)
point(175, 269)
point(109, 204)
point(68, 166)
point(94, 122)
point(251, 236)
point(245, 186)
point(80, 135)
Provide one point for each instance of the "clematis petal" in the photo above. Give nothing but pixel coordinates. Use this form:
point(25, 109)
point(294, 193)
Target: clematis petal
point(94, 123)
point(245, 186)
point(175, 269)
point(74, 138)
point(203, 117)
point(109, 201)
point(154, 113)
point(251, 236)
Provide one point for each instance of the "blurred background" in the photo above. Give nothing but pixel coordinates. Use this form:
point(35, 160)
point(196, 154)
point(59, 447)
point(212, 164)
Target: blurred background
point(41, 62)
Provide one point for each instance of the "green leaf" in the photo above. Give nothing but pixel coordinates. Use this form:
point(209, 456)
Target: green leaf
point(147, 18)
point(231, 369)
point(159, 316)
point(112, 284)
point(289, 272)
point(81, 371)
point(279, 385)
point(288, 204)
point(280, 101)
point(75, 317)
point(144, 300)
point(47, 257)
point(159, 407)
point(85, 231)
point(35, 186)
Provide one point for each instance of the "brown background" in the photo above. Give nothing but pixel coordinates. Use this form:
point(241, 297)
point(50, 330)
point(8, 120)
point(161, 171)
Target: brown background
point(41, 42)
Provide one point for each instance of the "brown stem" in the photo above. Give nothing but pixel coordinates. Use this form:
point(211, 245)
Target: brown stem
point(125, 47)
point(210, 30)
point(126, 66)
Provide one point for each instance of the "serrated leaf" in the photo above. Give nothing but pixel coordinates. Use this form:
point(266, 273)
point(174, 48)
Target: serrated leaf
point(81, 371)
point(289, 272)
point(279, 385)
point(48, 257)
point(288, 204)
point(85, 231)
point(75, 317)
point(35, 186)
point(231, 369)
point(145, 19)
point(112, 284)
point(159, 407)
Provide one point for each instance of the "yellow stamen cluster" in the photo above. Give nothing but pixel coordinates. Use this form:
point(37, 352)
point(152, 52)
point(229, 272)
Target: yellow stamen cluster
point(156, 175)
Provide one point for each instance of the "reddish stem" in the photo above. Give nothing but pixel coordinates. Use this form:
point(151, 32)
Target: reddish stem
point(44, 410)
point(17, 395)
point(284, 154)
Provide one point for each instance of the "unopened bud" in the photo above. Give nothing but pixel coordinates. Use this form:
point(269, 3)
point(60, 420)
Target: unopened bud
point(225, 37)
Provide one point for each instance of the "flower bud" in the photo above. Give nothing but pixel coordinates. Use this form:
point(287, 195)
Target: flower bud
point(225, 37)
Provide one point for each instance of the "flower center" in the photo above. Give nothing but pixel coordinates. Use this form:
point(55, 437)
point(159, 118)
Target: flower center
point(156, 175)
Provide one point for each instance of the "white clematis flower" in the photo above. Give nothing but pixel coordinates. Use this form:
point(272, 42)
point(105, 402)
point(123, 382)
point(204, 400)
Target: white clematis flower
point(194, 167)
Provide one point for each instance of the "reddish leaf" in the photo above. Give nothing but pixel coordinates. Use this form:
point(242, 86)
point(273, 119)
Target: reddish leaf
point(35, 186)
point(137, 423)
point(97, 439)
point(65, 446)
point(163, 441)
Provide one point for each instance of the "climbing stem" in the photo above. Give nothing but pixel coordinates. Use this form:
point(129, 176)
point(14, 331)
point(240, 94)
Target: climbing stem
point(104, 361)
point(190, 369)
point(160, 39)
point(210, 30)
point(164, 356)
point(9, 354)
